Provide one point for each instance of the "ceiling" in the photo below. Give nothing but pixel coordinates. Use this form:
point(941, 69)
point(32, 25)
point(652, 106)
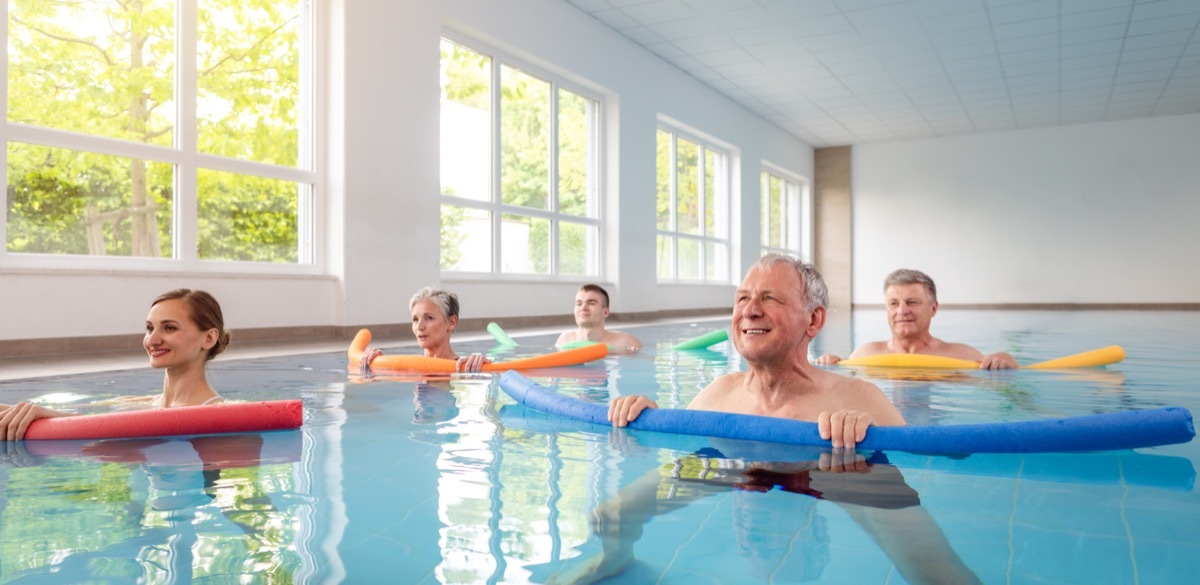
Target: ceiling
point(839, 72)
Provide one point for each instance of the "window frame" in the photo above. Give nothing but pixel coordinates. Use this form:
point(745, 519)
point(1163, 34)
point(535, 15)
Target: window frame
point(723, 218)
point(497, 209)
point(186, 159)
point(798, 230)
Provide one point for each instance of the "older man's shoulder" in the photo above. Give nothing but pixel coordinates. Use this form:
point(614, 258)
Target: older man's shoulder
point(841, 383)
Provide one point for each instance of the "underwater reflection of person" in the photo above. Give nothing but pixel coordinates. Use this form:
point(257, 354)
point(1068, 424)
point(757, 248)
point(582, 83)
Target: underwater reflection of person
point(184, 474)
point(433, 403)
point(871, 491)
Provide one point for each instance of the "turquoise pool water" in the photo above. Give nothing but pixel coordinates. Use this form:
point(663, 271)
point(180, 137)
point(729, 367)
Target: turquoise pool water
point(433, 481)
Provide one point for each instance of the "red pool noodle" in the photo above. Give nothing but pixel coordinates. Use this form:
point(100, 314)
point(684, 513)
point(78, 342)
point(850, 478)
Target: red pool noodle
point(225, 417)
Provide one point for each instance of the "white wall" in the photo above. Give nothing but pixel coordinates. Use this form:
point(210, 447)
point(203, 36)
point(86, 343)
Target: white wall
point(380, 102)
point(1096, 213)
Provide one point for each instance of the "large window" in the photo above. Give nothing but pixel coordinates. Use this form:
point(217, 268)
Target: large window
point(786, 214)
point(693, 209)
point(175, 131)
point(519, 168)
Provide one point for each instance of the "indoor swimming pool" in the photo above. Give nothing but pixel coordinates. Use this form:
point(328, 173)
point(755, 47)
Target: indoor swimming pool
point(410, 479)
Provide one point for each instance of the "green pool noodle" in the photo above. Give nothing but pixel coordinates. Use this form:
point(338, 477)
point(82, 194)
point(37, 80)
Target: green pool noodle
point(705, 340)
point(501, 337)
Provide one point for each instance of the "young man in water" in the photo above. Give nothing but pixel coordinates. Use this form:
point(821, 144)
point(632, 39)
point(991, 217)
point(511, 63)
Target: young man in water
point(911, 299)
point(591, 310)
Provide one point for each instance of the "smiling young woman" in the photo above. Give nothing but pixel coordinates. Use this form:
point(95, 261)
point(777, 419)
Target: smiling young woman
point(184, 330)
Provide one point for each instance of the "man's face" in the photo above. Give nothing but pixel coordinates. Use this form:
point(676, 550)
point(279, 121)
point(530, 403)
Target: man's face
point(769, 318)
point(909, 310)
point(589, 309)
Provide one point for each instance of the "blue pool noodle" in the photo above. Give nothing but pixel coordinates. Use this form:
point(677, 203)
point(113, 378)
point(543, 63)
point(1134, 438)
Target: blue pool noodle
point(1098, 432)
point(1103, 467)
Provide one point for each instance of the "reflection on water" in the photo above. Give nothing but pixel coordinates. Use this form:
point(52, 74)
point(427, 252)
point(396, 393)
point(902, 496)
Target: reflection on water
point(153, 509)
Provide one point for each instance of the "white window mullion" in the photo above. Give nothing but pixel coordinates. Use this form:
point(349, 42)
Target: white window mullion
point(186, 202)
point(497, 197)
point(552, 177)
point(306, 220)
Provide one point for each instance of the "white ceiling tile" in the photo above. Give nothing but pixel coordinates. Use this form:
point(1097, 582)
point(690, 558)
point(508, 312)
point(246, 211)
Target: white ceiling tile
point(1068, 6)
point(859, 67)
point(1026, 28)
point(621, 3)
point(616, 19)
point(848, 5)
point(1093, 18)
point(1086, 96)
point(749, 77)
point(984, 94)
point(822, 25)
point(1047, 43)
point(869, 83)
point(782, 52)
point(690, 63)
point(958, 38)
point(686, 29)
point(751, 37)
point(665, 50)
point(711, 6)
point(830, 43)
point(1035, 68)
point(658, 11)
point(895, 15)
point(943, 22)
point(1018, 57)
point(1150, 54)
point(1097, 83)
point(846, 71)
point(1157, 25)
point(1141, 89)
point(984, 49)
point(1172, 38)
point(1041, 80)
point(1022, 11)
point(800, 9)
point(938, 103)
point(974, 64)
point(751, 17)
point(705, 44)
point(1165, 9)
point(1162, 67)
point(1095, 33)
point(1192, 81)
point(730, 56)
point(1165, 108)
point(1087, 61)
point(930, 8)
point(895, 61)
point(591, 5)
point(994, 124)
point(643, 35)
point(1093, 48)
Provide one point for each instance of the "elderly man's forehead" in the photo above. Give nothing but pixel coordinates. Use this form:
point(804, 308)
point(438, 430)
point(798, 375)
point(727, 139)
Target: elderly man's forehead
point(907, 290)
point(783, 275)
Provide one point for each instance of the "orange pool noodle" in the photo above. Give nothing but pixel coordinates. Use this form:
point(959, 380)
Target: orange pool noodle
point(418, 363)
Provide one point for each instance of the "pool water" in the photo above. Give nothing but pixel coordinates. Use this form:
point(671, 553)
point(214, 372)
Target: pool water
point(444, 480)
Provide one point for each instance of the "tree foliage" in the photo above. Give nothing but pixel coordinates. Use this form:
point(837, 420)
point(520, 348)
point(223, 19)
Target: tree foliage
point(107, 68)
